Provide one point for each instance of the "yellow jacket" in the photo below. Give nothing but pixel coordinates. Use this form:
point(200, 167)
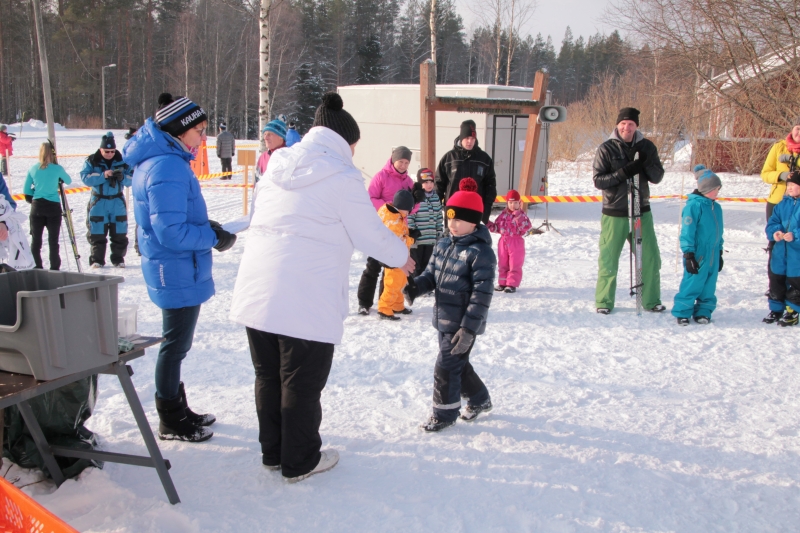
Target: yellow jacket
point(395, 222)
point(772, 169)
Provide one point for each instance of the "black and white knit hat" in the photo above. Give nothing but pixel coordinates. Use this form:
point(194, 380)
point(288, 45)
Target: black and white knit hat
point(331, 114)
point(178, 115)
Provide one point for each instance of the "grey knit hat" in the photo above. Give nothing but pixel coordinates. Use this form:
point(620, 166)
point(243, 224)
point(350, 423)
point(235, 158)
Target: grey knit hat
point(707, 181)
point(331, 114)
point(401, 152)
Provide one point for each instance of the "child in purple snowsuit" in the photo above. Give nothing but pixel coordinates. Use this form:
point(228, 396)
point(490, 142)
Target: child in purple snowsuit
point(512, 224)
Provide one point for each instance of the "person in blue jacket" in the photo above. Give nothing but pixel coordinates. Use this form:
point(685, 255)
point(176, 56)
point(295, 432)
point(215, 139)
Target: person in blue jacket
point(783, 229)
point(292, 136)
point(4, 192)
point(107, 212)
point(701, 244)
point(175, 239)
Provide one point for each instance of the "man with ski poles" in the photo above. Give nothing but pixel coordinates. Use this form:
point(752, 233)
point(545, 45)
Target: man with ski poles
point(625, 155)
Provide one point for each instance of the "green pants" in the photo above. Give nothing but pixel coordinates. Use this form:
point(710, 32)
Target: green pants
point(614, 232)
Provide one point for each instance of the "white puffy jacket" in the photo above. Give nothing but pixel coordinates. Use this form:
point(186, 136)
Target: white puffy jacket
point(311, 210)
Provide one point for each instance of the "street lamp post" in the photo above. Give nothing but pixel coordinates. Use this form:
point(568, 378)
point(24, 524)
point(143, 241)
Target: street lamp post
point(103, 84)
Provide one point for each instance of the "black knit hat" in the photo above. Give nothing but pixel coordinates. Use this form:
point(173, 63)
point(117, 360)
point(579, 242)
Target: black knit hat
point(403, 200)
point(467, 130)
point(331, 114)
point(108, 142)
point(628, 113)
point(794, 177)
point(176, 116)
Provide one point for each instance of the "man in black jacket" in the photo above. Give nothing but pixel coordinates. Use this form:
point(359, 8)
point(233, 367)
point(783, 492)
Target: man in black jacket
point(467, 160)
point(615, 164)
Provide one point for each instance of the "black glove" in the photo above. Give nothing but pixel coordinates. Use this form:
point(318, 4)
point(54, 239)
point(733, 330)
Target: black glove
point(418, 192)
point(415, 234)
point(225, 240)
point(462, 340)
point(29, 198)
point(692, 266)
point(794, 174)
point(633, 168)
point(721, 261)
point(410, 291)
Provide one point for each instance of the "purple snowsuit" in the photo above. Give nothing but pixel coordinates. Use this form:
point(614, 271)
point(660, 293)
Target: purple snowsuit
point(387, 182)
point(511, 249)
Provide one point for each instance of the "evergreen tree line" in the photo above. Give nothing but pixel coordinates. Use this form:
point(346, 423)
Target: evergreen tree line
point(208, 50)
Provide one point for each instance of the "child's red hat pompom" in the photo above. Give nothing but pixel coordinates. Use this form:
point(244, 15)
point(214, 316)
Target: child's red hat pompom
point(468, 185)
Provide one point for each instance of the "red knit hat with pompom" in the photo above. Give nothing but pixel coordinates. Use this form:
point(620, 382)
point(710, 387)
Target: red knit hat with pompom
point(466, 204)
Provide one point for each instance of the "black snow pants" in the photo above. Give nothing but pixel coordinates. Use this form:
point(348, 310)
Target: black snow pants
point(454, 378)
point(369, 280)
point(98, 241)
point(45, 214)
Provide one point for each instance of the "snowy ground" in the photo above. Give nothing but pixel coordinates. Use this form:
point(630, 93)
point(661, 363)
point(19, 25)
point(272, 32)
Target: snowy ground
point(601, 423)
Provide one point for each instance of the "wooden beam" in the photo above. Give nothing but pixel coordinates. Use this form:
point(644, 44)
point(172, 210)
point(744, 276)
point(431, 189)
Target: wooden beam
point(492, 106)
point(427, 122)
point(532, 136)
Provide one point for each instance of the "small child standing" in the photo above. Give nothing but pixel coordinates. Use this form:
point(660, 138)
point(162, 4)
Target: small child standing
point(394, 217)
point(460, 273)
point(512, 224)
point(427, 221)
point(701, 244)
point(783, 229)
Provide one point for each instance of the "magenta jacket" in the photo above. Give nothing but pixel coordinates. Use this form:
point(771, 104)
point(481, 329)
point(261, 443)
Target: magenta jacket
point(387, 182)
point(512, 224)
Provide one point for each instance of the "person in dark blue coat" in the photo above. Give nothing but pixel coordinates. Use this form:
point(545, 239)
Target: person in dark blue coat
point(4, 192)
point(461, 272)
point(107, 212)
point(175, 239)
point(783, 229)
point(701, 244)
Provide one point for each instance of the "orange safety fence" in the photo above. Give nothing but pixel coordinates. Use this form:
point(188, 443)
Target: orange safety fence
point(593, 199)
point(19, 513)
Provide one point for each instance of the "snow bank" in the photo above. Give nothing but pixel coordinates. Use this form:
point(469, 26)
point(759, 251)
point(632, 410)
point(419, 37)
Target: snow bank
point(32, 126)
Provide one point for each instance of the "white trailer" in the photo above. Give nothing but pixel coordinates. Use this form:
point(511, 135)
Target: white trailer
point(389, 116)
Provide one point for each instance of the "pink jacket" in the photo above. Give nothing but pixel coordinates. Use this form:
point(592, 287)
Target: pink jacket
point(511, 223)
point(5, 144)
point(387, 182)
point(263, 160)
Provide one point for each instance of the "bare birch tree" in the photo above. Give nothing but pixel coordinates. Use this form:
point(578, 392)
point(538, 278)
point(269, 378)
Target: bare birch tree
point(519, 12)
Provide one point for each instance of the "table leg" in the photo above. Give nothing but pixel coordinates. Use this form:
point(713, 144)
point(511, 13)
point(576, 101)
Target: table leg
point(41, 442)
point(147, 433)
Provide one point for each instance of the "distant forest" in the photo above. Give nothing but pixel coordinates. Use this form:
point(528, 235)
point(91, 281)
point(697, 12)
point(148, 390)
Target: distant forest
point(208, 50)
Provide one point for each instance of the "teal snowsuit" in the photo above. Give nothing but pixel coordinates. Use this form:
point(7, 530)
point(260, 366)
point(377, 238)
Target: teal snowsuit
point(701, 233)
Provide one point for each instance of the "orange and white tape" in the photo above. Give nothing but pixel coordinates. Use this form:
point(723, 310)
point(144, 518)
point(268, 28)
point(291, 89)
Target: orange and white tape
point(594, 199)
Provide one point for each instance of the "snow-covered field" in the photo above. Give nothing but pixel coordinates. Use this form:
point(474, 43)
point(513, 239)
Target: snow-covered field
point(601, 423)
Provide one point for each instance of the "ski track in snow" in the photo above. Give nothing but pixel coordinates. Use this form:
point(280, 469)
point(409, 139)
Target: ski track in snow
point(601, 423)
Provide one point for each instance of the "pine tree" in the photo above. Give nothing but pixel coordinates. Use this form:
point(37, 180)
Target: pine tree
point(308, 88)
point(370, 65)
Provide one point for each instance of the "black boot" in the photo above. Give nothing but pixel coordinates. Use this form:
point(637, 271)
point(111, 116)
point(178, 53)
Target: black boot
point(196, 419)
point(175, 425)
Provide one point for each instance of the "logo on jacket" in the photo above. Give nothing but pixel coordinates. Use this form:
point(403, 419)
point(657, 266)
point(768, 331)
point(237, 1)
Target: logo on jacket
point(451, 213)
point(687, 221)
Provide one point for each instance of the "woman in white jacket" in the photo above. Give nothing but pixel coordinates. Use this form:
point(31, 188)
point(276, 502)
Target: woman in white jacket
point(292, 289)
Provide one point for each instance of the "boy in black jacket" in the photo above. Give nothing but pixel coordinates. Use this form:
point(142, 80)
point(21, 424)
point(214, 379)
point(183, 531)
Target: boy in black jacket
point(461, 272)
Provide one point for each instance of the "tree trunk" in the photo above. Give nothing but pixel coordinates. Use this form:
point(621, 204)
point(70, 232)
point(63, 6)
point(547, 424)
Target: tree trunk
point(498, 28)
point(433, 36)
point(263, 71)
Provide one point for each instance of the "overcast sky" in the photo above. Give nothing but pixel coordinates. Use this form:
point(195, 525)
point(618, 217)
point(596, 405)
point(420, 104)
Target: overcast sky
point(553, 16)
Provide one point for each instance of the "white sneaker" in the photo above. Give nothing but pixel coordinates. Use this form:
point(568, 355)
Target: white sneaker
point(327, 460)
point(121, 264)
point(96, 265)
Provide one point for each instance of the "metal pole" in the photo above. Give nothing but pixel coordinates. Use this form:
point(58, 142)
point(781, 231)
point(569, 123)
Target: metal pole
point(103, 93)
point(48, 98)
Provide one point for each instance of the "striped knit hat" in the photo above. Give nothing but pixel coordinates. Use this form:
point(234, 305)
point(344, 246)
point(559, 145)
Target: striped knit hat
point(707, 181)
point(177, 116)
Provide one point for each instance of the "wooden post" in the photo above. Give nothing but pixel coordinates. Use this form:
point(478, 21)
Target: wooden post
point(48, 97)
point(244, 195)
point(532, 136)
point(247, 158)
point(427, 122)
point(7, 174)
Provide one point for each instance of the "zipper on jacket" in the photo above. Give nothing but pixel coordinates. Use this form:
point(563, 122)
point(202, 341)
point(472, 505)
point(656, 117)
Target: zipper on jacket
point(439, 280)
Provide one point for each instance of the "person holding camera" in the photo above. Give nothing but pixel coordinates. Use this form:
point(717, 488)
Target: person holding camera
point(107, 212)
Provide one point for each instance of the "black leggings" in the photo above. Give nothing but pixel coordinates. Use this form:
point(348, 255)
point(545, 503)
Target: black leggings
point(45, 214)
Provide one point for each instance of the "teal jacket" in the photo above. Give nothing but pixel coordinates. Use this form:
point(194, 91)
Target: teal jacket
point(701, 230)
point(43, 182)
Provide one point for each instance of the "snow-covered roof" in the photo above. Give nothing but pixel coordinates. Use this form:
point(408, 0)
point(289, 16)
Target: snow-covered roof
point(768, 66)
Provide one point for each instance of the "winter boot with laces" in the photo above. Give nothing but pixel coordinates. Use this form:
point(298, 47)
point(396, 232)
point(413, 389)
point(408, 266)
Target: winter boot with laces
point(789, 318)
point(471, 412)
point(434, 424)
point(175, 425)
point(772, 317)
point(194, 418)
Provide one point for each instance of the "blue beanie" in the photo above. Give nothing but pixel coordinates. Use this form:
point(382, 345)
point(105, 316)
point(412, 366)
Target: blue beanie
point(278, 127)
point(707, 181)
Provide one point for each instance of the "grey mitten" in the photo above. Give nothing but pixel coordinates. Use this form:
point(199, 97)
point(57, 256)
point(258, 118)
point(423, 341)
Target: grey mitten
point(462, 340)
point(783, 176)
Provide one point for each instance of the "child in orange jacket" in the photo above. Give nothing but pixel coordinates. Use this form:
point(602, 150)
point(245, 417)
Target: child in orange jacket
point(395, 217)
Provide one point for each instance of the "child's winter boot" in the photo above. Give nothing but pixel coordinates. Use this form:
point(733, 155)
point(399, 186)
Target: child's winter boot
point(772, 317)
point(789, 318)
point(434, 424)
point(471, 412)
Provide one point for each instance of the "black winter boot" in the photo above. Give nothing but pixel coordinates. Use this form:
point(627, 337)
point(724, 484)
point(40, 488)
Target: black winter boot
point(175, 425)
point(194, 418)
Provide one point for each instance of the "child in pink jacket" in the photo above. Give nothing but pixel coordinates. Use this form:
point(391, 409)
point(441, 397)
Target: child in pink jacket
point(512, 224)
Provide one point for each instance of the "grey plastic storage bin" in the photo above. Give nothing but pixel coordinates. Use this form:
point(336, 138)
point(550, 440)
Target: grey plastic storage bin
point(57, 323)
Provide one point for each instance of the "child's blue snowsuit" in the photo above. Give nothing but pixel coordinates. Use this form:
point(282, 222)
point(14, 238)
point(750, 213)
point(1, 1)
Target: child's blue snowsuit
point(784, 283)
point(701, 233)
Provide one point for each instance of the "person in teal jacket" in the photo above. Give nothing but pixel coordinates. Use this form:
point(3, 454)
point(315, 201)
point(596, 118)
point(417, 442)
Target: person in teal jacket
point(783, 229)
point(701, 243)
point(108, 175)
point(41, 191)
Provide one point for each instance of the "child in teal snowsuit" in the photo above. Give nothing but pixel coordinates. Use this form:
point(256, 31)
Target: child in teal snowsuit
point(701, 243)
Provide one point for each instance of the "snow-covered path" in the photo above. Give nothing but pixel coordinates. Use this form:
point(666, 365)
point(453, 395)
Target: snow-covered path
point(601, 423)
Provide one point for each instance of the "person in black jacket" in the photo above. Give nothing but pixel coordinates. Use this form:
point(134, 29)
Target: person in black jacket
point(461, 274)
point(467, 160)
point(615, 165)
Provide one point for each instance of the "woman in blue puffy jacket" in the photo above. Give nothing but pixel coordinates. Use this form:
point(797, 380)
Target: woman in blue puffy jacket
point(175, 239)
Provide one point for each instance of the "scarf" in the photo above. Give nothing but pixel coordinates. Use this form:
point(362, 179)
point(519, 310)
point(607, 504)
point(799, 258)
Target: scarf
point(791, 145)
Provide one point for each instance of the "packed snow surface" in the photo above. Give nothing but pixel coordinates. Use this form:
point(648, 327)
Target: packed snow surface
point(601, 423)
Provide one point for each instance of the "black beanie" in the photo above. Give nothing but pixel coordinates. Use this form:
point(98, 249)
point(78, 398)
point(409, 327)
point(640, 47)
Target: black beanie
point(131, 132)
point(794, 177)
point(628, 113)
point(108, 142)
point(331, 114)
point(467, 130)
point(401, 152)
point(176, 116)
point(404, 200)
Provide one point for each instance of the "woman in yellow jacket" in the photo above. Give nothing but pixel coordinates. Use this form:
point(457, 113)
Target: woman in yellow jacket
point(395, 217)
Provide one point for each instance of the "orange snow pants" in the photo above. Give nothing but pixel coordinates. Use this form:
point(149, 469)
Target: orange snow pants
point(391, 300)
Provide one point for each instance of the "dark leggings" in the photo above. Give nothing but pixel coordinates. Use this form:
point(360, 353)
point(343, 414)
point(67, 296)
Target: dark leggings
point(45, 214)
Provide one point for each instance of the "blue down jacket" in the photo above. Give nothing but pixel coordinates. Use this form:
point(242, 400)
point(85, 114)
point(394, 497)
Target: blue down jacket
point(107, 204)
point(785, 255)
point(461, 272)
point(175, 238)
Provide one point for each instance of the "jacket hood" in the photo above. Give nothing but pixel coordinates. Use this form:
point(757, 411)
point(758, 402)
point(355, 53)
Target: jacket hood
point(457, 145)
point(637, 136)
point(481, 234)
point(150, 141)
point(697, 196)
point(323, 153)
